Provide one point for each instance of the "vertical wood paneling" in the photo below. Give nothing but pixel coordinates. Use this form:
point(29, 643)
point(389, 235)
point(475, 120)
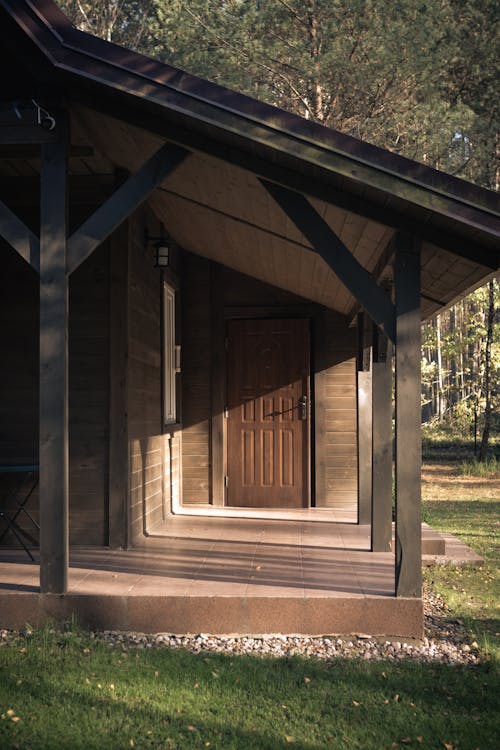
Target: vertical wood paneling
point(364, 419)
point(88, 386)
point(118, 377)
point(218, 385)
point(19, 317)
point(89, 400)
point(196, 380)
point(144, 393)
point(336, 413)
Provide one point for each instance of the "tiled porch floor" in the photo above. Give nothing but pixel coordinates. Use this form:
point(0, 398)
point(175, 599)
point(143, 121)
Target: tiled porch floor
point(189, 556)
point(226, 575)
point(253, 557)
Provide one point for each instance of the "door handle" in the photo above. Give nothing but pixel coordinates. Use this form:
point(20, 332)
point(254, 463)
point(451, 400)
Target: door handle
point(303, 407)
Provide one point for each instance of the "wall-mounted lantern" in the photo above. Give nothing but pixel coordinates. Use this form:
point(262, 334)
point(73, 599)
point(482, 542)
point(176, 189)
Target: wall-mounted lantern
point(161, 246)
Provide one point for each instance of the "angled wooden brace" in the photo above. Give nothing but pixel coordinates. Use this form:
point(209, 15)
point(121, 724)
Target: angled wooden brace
point(18, 236)
point(333, 251)
point(122, 203)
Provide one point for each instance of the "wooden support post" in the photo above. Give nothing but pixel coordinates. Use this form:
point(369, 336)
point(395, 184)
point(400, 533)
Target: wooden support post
point(381, 500)
point(218, 377)
point(18, 135)
point(118, 383)
point(364, 397)
point(408, 439)
point(54, 551)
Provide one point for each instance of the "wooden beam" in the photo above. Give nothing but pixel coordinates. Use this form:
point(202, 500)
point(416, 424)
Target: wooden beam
point(364, 399)
point(439, 302)
point(54, 551)
point(385, 260)
point(89, 190)
point(18, 135)
point(408, 438)
point(122, 203)
point(310, 178)
point(381, 500)
point(32, 151)
point(18, 236)
point(333, 251)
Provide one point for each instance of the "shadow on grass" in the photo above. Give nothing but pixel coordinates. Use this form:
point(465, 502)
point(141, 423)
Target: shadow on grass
point(166, 699)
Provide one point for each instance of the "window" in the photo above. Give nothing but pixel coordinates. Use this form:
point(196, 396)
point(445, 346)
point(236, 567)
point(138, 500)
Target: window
point(171, 356)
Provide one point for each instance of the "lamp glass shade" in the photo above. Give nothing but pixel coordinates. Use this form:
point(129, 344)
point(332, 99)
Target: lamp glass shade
point(162, 255)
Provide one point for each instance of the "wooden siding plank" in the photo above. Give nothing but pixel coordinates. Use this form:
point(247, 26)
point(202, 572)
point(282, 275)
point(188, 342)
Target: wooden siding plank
point(144, 387)
point(364, 404)
point(320, 442)
point(335, 374)
point(89, 397)
point(218, 379)
point(196, 378)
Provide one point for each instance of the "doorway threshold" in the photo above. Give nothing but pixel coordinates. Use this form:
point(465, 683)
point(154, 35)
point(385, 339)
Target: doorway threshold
point(341, 514)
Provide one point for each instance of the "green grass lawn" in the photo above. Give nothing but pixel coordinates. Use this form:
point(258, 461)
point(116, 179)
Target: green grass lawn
point(65, 690)
point(68, 691)
point(469, 507)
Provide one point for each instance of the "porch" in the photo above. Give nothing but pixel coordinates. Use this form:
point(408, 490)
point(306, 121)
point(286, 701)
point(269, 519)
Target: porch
point(139, 389)
point(223, 575)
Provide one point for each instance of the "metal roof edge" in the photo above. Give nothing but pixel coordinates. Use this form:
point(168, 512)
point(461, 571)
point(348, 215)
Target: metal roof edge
point(66, 38)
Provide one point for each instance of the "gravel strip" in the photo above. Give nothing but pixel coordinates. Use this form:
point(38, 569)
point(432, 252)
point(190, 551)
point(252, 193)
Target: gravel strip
point(445, 641)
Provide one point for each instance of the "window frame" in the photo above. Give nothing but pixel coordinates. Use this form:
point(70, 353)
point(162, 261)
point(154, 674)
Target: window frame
point(170, 355)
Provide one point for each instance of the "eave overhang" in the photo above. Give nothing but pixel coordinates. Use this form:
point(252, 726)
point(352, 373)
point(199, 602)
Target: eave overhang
point(324, 164)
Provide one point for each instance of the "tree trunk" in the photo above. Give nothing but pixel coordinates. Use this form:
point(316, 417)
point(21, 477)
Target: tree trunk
point(441, 404)
point(487, 373)
point(453, 384)
point(461, 351)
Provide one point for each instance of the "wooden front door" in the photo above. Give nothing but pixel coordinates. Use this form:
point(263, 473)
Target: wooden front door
point(268, 413)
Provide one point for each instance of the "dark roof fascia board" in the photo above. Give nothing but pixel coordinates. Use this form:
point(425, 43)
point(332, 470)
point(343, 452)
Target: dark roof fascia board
point(215, 95)
point(318, 155)
point(34, 23)
point(244, 107)
point(105, 64)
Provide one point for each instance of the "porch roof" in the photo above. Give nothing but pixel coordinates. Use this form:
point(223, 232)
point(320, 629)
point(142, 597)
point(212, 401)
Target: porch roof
point(125, 105)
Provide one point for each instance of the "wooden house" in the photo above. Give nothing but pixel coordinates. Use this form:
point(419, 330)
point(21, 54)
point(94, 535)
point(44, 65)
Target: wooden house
point(251, 368)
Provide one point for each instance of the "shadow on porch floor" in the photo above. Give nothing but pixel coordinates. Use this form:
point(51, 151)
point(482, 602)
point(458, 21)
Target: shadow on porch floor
point(221, 576)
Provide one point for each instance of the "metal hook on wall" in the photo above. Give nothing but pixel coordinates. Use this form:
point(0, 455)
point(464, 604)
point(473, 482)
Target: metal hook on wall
point(43, 118)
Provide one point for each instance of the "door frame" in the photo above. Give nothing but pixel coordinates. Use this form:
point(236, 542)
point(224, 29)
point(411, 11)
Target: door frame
point(220, 317)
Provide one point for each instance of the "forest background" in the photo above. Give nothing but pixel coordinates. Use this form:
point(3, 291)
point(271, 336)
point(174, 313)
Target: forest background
point(417, 77)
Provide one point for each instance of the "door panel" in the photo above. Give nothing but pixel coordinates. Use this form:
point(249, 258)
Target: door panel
point(268, 430)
